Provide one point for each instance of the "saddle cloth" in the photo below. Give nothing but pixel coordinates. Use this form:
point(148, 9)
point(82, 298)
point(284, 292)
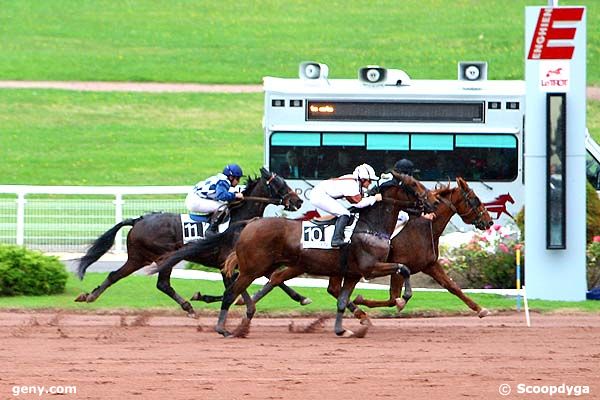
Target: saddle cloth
point(318, 234)
point(193, 227)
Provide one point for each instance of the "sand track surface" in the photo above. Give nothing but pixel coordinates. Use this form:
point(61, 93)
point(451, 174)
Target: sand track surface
point(148, 356)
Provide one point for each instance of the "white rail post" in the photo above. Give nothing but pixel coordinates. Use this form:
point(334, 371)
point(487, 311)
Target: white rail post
point(21, 218)
point(118, 218)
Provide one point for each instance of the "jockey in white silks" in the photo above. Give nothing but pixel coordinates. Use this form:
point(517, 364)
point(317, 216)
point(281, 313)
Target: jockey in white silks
point(324, 196)
point(212, 195)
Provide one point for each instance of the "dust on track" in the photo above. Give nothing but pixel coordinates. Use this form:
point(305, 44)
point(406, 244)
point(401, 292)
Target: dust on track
point(157, 356)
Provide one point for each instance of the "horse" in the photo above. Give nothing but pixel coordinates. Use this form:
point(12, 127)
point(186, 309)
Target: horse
point(267, 243)
point(417, 244)
point(154, 236)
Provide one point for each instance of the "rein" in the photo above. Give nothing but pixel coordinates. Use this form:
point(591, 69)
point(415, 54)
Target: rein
point(268, 200)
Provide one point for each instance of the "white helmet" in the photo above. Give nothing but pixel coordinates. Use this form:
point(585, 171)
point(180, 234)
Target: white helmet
point(364, 171)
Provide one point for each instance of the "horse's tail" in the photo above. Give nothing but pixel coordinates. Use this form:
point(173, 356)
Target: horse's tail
point(230, 264)
point(102, 245)
point(196, 249)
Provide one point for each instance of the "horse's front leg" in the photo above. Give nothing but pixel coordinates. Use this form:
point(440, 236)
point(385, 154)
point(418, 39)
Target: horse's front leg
point(436, 271)
point(334, 288)
point(342, 303)
point(396, 282)
point(380, 269)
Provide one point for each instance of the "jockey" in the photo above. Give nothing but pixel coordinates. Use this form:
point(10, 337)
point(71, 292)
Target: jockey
point(352, 187)
point(212, 195)
point(407, 167)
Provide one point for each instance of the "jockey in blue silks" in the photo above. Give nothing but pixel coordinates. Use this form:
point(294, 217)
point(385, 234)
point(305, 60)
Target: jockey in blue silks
point(212, 195)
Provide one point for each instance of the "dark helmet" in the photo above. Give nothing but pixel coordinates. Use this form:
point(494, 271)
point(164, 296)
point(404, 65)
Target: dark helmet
point(405, 166)
point(233, 170)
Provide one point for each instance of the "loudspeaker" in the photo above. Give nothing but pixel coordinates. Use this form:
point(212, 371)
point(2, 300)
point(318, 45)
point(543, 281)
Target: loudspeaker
point(472, 71)
point(376, 75)
point(313, 70)
point(372, 74)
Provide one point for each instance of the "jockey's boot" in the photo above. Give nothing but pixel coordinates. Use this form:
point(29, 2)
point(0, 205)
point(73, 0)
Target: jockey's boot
point(215, 219)
point(338, 233)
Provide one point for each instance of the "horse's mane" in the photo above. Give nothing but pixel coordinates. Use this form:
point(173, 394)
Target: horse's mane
point(250, 184)
point(443, 190)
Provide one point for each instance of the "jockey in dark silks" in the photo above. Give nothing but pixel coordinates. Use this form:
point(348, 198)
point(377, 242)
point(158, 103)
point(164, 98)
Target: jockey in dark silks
point(212, 195)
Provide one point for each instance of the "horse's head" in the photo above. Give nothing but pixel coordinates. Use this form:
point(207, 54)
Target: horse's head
point(279, 189)
point(509, 198)
point(470, 208)
point(416, 191)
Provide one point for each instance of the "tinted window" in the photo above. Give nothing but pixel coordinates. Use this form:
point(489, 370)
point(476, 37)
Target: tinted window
point(437, 157)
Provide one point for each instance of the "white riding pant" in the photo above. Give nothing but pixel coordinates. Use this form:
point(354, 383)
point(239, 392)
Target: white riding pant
point(197, 204)
point(328, 204)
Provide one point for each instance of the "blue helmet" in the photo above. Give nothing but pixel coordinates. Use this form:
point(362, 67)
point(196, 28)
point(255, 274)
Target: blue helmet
point(233, 170)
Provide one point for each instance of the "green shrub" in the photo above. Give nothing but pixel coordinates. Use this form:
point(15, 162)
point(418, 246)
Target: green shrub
point(593, 264)
point(487, 261)
point(592, 217)
point(26, 272)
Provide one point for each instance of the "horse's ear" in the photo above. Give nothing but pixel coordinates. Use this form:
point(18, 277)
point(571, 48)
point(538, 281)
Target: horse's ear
point(398, 176)
point(461, 182)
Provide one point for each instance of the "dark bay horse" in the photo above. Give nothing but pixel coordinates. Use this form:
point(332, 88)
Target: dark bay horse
point(267, 243)
point(417, 244)
point(155, 235)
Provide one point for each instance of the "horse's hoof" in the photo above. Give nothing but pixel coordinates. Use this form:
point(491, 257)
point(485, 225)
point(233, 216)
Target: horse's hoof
point(306, 301)
point(484, 312)
point(223, 332)
point(196, 297)
point(359, 299)
point(400, 303)
point(346, 333)
point(366, 321)
point(82, 297)
point(192, 314)
point(361, 332)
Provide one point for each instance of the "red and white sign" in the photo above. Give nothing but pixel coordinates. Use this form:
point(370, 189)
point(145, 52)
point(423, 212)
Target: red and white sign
point(554, 75)
point(550, 35)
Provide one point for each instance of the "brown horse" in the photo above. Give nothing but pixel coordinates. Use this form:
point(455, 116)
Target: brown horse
point(265, 244)
point(417, 244)
point(154, 236)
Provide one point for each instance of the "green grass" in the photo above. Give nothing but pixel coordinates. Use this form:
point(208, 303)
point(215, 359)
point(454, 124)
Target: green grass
point(139, 293)
point(53, 137)
point(240, 42)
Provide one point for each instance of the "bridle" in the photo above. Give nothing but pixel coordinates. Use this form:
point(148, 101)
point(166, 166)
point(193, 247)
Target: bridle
point(474, 204)
point(283, 193)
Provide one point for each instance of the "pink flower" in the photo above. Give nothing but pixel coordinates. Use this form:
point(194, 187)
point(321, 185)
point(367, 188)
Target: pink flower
point(444, 261)
point(596, 239)
point(503, 248)
point(497, 227)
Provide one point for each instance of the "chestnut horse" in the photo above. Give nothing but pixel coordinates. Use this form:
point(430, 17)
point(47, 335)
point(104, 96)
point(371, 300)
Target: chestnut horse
point(153, 236)
point(417, 244)
point(267, 243)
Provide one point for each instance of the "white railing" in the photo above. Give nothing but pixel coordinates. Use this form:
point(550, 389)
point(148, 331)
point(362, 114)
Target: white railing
point(69, 218)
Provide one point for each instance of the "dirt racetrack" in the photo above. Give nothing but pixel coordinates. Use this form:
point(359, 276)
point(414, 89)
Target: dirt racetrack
point(167, 357)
